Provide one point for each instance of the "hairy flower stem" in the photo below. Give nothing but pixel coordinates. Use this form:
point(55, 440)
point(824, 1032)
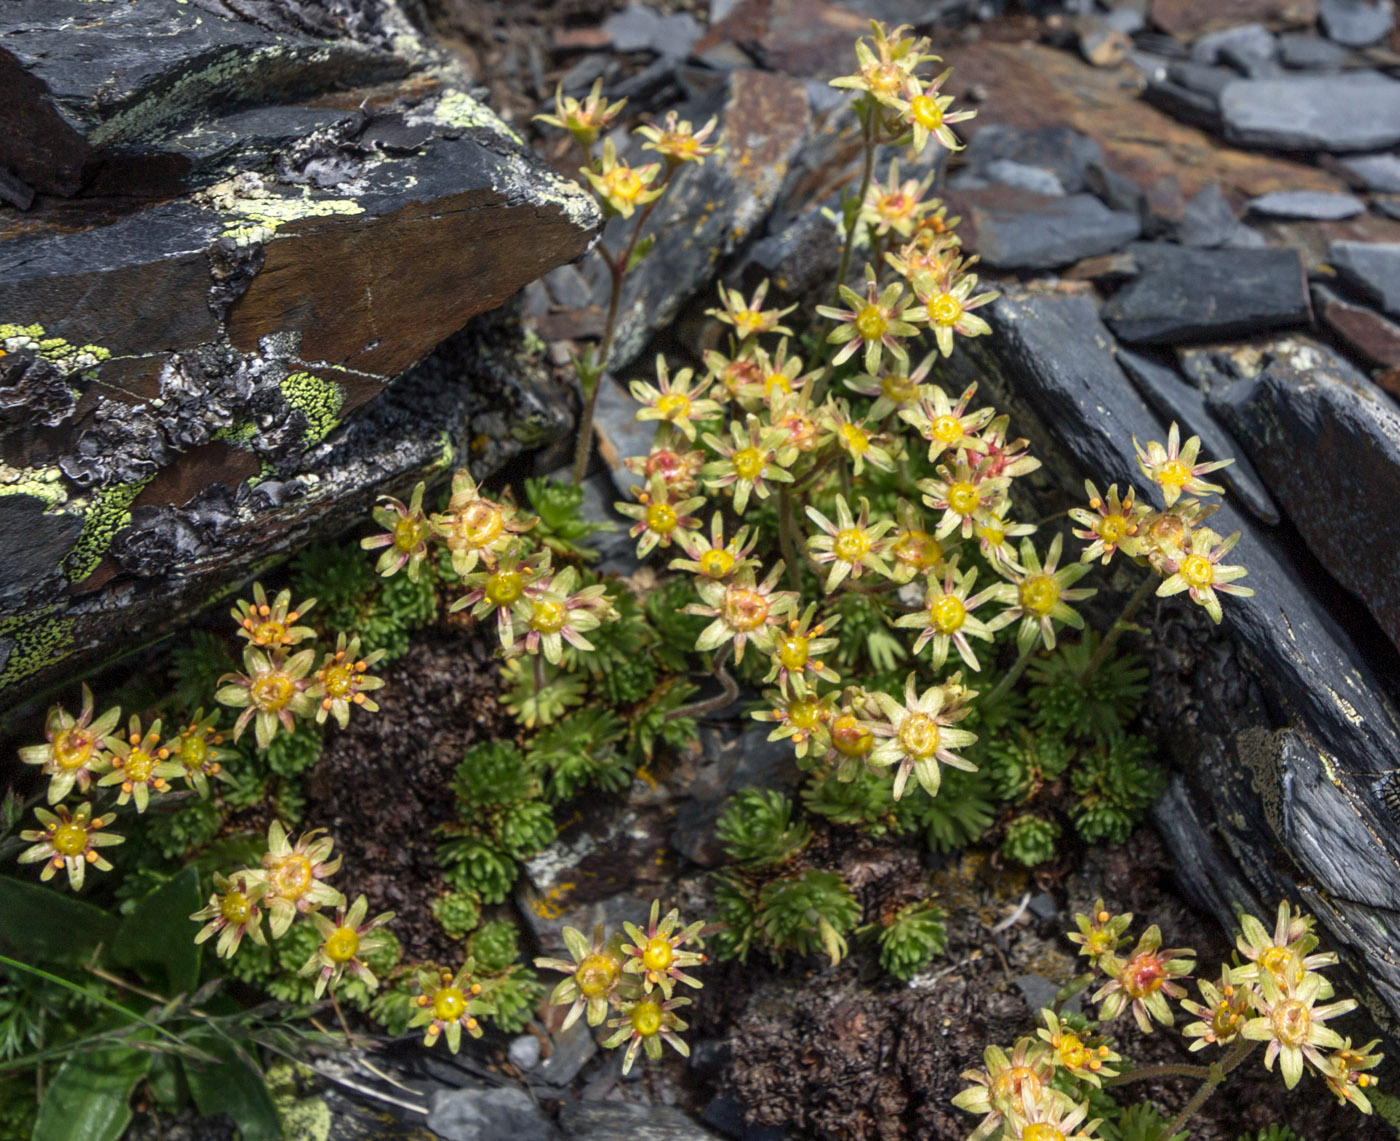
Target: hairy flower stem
point(1116, 630)
point(617, 271)
point(710, 704)
point(1011, 677)
point(786, 539)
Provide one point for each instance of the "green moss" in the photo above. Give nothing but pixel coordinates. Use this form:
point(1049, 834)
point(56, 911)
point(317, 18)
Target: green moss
point(40, 644)
point(68, 357)
point(108, 513)
point(318, 400)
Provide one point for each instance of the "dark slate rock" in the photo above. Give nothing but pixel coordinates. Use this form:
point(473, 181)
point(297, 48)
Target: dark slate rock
point(1127, 19)
point(524, 1052)
point(1013, 229)
point(608, 1120)
point(1305, 52)
point(1193, 295)
point(1208, 221)
point(1315, 204)
point(1293, 823)
point(1173, 399)
point(592, 67)
point(1372, 268)
point(1356, 23)
point(1023, 176)
point(1369, 335)
point(1202, 78)
point(82, 95)
point(34, 541)
point(488, 1115)
point(640, 28)
point(1116, 191)
point(1064, 153)
point(1380, 173)
point(570, 1050)
point(1309, 401)
point(1251, 39)
point(1388, 204)
point(1197, 108)
point(1357, 111)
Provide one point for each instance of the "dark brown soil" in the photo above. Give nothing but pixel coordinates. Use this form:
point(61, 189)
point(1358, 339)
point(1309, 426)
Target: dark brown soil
point(381, 786)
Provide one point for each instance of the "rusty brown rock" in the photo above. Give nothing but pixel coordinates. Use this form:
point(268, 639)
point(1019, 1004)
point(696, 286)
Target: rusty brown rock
point(1368, 334)
point(1187, 19)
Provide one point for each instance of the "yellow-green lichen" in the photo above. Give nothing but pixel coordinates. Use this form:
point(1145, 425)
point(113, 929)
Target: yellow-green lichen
point(317, 399)
point(254, 212)
point(38, 642)
point(69, 358)
point(458, 109)
point(43, 483)
point(240, 435)
point(107, 513)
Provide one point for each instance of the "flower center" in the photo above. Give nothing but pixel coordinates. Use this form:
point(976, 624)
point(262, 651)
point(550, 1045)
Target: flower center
point(749, 321)
point(1012, 1084)
point(505, 587)
point(993, 534)
point(856, 439)
point(871, 323)
point(804, 713)
point(1072, 1053)
point(1173, 472)
point(1292, 1022)
point(1039, 593)
point(342, 944)
point(945, 310)
point(596, 975)
point(792, 651)
point(139, 766)
point(744, 609)
point(963, 498)
point(236, 908)
point(624, 183)
point(1041, 1131)
point(658, 954)
point(549, 617)
point(1112, 528)
point(778, 380)
point(1198, 570)
point(269, 633)
point(339, 680)
point(716, 563)
point(947, 429)
point(480, 523)
point(646, 1018)
point(291, 876)
point(449, 1004)
point(70, 839)
point(918, 736)
point(674, 405)
point(1277, 960)
point(272, 692)
point(918, 549)
point(73, 748)
point(850, 738)
point(1143, 976)
point(194, 751)
point(408, 533)
point(851, 545)
point(748, 463)
point(925, 111)
point(662, 518)
point(948, 614)
point(898, 388)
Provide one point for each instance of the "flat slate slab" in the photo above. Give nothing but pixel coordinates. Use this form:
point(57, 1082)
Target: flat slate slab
point(1314, 204)
point(1015, 229)
point(1371, 268)
point(1199, 295)
point(1356, 111)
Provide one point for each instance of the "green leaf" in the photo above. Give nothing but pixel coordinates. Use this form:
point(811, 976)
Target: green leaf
point(234, 1087)
point(44, 925)
point(88, 1097)
point(640, 251)
point(158, 934)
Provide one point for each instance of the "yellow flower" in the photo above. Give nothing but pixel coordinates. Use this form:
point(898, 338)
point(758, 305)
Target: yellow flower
point(677, 141)
point(1346, 1074)
point(449, 1003)
point(1292, 1024)
point(1071, 1053)
point(948, 302)
point(948, 426)
point(343, 681)
point(593, 976)
point(661, 520)
point(405, 538)
point(477, 528)
point(1110, 524)
point(876, 321)
point(1009, 1084)
point(748, 464)
point(1040, 595)
point(295, 875)
point(620, 187)
point(233, 911)
point(947, 619)
point(674, 400)
point(508, 590)
point(861, 445)
point(885, 62)
point(585, 119)
point(1174, 468)
point(921, 733)
point(851, 545)
point(272, 692)
point(73, 752)
point(343, 942)
point(743, 610)
point(140, 764)
point(926, 111)
point(1143, 981)
point(645, 1023)
point(713, 558)
point(199, 752)
point(272, 625)
point(1223, 1013)
point(658, 955)
point(749, 318)
point(1201, 574)
point(965, 494)
point(896, 206)
point(801, 719)
point(69, 840)
point(795, 653)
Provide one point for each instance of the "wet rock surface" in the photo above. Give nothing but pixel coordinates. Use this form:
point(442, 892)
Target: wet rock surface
point(220, 371)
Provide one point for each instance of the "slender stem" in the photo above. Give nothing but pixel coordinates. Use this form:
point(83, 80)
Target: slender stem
point(1116, 630)
point(866, 174)
point(539, 681)
point(1164, 1070)
point(710, 704)
point(1012, 676)
point(617, 271)
point(786, 539)
point(1238, 1053)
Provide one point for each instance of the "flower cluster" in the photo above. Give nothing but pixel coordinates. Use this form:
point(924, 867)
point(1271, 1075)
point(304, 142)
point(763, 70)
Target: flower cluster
point(633, 981)
point(1272, 993)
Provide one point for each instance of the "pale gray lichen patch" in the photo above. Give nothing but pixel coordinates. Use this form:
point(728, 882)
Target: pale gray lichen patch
point(458, 109)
